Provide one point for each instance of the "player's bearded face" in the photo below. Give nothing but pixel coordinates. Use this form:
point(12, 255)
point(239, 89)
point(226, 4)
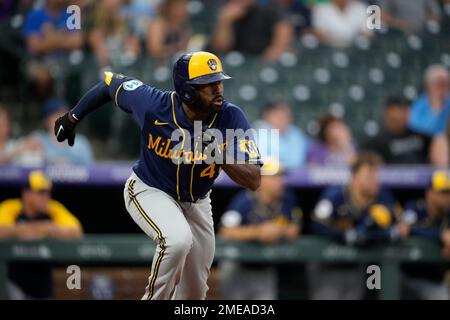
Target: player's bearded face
point(211, 96)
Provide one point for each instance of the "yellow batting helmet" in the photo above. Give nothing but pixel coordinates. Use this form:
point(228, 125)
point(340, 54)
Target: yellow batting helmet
point(196, 68)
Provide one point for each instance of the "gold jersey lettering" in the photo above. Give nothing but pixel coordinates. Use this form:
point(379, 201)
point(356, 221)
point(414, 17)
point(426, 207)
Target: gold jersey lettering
point(153, 144)
point(162, 149)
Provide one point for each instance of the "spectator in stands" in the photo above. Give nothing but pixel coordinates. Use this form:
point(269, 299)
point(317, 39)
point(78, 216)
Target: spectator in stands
point(339, 22)
point(56, 153)
point(110, 38)
point(35, 216)
point(298, 14)
point(46, 32)
point(12, 150)
point(440, 151)
point(293, 142)
point(169, 33)
point(139, 14)
point(359, 213)
point(250, 28)
point(267, 216)
point(48, 39)
point(397, 143)
point(430, 112)
point(409, 16)
point(335, 144)
point(428, 218)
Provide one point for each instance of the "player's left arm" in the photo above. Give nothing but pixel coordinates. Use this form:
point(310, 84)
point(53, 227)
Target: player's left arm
point(247, 175)
point(127, 93)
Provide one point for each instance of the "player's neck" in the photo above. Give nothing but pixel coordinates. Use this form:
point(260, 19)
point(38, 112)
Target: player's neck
point(194, 115)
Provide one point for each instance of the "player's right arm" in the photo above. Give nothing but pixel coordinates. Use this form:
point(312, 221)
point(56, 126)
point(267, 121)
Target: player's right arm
point(125, 92)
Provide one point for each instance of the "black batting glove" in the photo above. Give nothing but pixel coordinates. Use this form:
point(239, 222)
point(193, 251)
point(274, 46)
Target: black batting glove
point(65, 129)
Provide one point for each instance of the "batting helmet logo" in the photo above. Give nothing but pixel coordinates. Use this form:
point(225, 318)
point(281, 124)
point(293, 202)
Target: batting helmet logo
point(212, 64)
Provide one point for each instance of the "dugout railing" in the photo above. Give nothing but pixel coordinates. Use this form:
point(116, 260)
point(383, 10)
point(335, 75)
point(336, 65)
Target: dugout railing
point(137, 249)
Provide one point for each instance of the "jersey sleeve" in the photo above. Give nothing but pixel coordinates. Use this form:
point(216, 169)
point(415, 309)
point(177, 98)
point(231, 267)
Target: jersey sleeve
point(416, 217)
point(9, 210)
point(324, 215)
point(385, 211)
point(379, 224)
point(237, 211)
point(61, 216)
point(132, 96)
point(243, 140)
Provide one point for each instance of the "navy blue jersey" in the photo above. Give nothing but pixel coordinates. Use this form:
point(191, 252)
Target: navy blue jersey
point(421, 223)
point(245, 208)
point(158, 114)
point(334, 215)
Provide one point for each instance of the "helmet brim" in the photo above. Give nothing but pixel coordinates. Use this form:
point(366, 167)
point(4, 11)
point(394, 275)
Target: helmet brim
point(209, 78)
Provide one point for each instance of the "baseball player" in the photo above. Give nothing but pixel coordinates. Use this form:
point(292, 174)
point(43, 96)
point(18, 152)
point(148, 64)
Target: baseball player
point(428, 218)
point(359, 213)
point(167, 195)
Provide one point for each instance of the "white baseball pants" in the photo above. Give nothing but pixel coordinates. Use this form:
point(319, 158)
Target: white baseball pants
point(184, 235)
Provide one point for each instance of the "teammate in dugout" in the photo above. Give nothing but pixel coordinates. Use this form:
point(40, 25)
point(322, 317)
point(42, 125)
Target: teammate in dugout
point(33, 216)
point(166, 195)
point(359, 213)
point(428, 218)
point(269, 215)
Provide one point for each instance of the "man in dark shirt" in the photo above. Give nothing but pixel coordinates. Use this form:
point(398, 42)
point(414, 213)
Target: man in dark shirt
point(396, 143)
point(250, 28)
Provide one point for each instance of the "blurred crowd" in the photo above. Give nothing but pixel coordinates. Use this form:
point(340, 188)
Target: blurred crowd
point(411, 132)
point(125, 29)
point(118, 32)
